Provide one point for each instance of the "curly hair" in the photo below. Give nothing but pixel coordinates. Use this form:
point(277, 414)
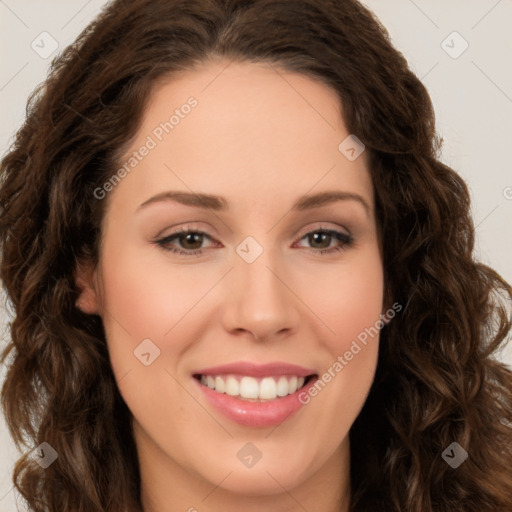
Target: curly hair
point(437, 381)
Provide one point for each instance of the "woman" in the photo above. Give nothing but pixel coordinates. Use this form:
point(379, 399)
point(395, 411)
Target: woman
point(253, 369)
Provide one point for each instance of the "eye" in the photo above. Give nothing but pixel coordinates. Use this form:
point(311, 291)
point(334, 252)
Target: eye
point(320, 236)
point(191, 241)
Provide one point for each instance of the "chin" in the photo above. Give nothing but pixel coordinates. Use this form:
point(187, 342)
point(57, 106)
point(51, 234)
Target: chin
point(257, 482)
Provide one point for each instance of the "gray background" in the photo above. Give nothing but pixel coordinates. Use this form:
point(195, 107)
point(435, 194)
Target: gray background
point(472, 95)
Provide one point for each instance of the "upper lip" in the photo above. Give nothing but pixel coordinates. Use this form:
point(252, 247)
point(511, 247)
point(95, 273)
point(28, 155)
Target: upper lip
point(257, 370)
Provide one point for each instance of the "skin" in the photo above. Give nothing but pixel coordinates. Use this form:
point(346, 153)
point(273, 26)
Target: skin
point(261, 138)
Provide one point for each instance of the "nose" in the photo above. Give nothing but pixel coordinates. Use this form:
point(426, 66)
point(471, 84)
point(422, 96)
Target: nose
point(260, 301)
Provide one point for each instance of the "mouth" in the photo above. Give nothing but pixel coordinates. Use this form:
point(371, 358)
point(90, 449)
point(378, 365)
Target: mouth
point(255, 395)
point(255, 389)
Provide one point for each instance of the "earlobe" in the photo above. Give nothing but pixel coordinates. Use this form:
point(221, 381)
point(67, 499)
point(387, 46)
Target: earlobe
point(88, 300)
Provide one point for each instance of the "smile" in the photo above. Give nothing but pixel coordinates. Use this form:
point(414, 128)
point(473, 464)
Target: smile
point(254, 412)
point(256, 389)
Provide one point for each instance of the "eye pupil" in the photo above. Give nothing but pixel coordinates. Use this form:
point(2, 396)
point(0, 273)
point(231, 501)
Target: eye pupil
point(189, 239)
point(320, 235)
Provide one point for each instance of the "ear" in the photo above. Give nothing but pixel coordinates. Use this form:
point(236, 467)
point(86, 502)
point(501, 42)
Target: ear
point(86, 281)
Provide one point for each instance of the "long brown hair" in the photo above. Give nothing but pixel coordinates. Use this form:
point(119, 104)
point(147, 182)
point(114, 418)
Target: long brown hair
point(437, 380)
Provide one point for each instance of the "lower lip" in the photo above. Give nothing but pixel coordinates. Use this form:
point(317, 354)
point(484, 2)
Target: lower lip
point(256, 414)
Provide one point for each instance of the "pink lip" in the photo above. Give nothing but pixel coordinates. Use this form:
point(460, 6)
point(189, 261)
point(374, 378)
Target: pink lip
point(256, 414)
point(257, 370)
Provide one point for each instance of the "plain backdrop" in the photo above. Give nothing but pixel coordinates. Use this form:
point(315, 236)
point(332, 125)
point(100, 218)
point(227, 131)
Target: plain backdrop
point(460, 49)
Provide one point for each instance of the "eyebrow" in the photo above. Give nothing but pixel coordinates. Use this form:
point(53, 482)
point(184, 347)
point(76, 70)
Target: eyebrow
point(219, 203)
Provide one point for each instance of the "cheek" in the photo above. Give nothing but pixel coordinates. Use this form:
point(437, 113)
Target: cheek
point(143, 301)
point(150, 298)
point(146, 296)
point(348, 299)
point(350, 306)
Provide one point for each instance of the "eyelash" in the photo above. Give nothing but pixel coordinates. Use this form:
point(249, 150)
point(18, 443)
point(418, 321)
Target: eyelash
point(346, 240)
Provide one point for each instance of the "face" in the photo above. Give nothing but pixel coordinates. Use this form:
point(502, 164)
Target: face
point(256, 280)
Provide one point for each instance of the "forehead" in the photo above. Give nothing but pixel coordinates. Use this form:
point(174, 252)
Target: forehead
point(249, 127)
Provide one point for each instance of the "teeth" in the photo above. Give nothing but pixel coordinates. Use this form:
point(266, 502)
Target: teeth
point(232, 386)
point(250, 388)
point(219, 385)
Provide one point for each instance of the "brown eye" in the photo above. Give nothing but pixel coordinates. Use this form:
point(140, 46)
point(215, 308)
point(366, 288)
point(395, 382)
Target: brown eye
point(191, 240)
point(188, 242)
point(321, 239)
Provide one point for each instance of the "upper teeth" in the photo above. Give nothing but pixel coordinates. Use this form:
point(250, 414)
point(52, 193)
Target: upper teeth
point(266, 388)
